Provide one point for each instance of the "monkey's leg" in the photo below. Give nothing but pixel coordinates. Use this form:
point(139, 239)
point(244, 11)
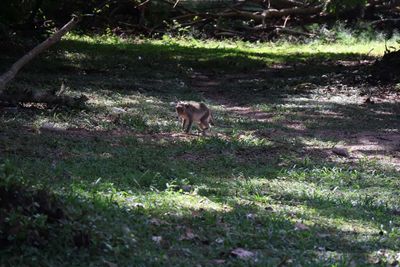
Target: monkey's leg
point(204, 122)
point(211, 119)
point(204, 127)
point(201, 127)
point(183, 123)
point(189, 125)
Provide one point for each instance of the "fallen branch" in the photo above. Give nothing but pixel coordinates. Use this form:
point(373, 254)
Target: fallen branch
point(266, 14)
point(177, 1)
point(180, 7)
point(234, 12)
point(9, 75)
point(293, 32)
point(48, 97)
point(278, 4)
point(383, 21)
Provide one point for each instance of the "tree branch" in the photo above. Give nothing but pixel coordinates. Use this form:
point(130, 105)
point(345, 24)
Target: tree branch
point(9, 75)
point(274, 13)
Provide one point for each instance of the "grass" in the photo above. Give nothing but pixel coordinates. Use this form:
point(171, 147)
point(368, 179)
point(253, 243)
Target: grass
point(117, 183)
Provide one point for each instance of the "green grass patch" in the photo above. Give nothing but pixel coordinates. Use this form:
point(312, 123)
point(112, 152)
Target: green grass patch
point(118, 183)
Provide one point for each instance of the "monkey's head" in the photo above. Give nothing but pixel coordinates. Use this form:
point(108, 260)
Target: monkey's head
point(181, 108)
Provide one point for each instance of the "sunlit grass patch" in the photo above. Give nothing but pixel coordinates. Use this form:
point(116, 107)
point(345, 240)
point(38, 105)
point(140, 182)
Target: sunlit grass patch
point(373, 47)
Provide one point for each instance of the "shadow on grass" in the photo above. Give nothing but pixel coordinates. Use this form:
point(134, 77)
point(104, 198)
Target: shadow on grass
point(98, 228)
point(101, 183)
point(157, 69)
point(328, 116)
point(102, 166)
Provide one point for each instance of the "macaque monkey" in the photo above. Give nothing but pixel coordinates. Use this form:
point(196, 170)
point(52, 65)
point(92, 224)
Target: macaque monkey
point(189, 112)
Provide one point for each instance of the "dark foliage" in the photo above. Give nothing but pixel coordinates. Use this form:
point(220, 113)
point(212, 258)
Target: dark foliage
point(387, 70)
point(252, 20)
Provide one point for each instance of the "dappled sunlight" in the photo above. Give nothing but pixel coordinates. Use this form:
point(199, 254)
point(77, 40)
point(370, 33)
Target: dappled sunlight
point(313, 204)
point(248, 139)
point(180, 202)
point(266, 178)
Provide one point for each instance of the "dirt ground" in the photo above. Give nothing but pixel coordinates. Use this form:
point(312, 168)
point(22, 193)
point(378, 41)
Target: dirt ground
point(382, 146)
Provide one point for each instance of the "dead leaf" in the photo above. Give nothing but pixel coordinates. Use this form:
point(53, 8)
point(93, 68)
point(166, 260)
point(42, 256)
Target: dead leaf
point(323, 235)
point(188, 235)
point(138, 205)
point(301, 227)
point(369, 101)
point(269, 208)
point(218, 261)
point(219, 240)
point(341, 152)
point(157, 239)
point(196, 214)
point(242, 253)
point(250, 216)
point(110, 264)
point(157, 222)
point(396, 212)
point(187, 188)
point(284, 261)
point(373, 260)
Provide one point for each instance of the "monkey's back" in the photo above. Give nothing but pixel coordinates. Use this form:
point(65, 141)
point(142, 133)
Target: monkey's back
point(197, 105)
point(199, 109)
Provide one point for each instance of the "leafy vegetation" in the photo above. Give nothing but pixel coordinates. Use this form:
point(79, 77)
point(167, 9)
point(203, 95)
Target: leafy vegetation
point(118, 183)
